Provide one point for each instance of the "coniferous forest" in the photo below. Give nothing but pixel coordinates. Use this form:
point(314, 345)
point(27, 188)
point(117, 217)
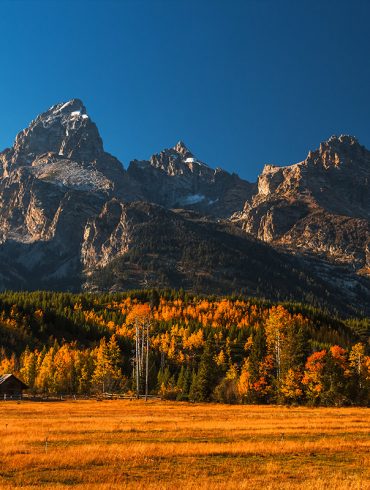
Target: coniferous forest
point(230, 349)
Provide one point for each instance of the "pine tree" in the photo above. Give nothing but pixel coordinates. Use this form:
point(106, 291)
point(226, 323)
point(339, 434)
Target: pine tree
point(207, 375)
point(257, 354)
point(184, 383)
point(255, 377)
point(154, 300)
point(193, 386)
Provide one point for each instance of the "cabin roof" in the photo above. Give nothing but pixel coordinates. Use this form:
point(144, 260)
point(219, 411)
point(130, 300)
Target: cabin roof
point(4, 377)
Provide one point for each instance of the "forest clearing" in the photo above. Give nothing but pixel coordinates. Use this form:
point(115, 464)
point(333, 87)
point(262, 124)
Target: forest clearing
point(171, 445)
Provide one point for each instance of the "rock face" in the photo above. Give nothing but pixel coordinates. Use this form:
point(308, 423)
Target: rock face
point(60, 136)
point(320, 206)
point(175, 178)
point(140, 244)
point(72, 217)
point(53, 179)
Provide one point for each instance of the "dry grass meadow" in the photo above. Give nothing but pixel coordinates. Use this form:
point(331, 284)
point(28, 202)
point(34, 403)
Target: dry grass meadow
point(167, 445)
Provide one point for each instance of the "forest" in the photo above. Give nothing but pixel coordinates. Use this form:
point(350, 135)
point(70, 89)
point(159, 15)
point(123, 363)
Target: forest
point(184, 347)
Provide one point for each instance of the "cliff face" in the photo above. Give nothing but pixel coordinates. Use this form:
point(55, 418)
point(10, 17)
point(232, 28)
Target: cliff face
point(319, 206)
point(53, 179)
point(175, 178)
point(72, 217)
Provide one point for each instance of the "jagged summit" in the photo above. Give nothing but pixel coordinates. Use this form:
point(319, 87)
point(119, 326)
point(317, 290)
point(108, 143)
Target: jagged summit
point(182, 149)
point(176, 178)
point(320, 206)
point(338, 151)
point(68, 209)
point(68, 107)
point(65, 130)
point(343, 138)
point(179, 160)
point(63, 146)
point(343, 144)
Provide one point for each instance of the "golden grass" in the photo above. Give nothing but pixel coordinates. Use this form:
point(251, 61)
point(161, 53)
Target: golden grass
point(164, 445)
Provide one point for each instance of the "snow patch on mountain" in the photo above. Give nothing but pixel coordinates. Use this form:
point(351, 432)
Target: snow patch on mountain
point(192, 199)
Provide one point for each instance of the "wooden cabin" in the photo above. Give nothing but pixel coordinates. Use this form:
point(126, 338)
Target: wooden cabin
point(11, 387)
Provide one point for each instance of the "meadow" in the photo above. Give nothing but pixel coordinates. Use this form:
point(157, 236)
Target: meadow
point(115, 444)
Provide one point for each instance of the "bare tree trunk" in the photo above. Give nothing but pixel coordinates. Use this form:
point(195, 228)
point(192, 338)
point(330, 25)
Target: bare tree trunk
point(147, 362)
point(278, 355)
point(142, 348)
point(137, 362)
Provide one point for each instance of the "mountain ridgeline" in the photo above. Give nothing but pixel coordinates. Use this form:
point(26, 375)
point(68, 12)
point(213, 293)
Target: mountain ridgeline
point(73, 218)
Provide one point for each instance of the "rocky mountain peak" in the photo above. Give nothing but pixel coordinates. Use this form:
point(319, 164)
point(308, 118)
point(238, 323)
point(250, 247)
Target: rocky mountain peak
point(182, 149)
point(68, 210)
point(65, 129)
point(67, 107)
point(62, 146)
point(344, 139)
point(339, 151)
point(179, 160)
point(319, 206)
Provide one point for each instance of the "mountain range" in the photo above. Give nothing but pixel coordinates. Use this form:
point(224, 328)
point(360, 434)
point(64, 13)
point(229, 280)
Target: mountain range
point(73, 218)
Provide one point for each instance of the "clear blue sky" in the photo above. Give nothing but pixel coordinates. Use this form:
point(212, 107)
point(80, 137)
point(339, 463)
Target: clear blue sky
point(242, 82)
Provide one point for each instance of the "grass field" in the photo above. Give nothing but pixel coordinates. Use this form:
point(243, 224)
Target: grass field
point(165, 445)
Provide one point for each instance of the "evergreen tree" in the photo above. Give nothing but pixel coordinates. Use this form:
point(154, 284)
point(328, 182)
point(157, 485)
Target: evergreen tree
point(255, 372)
point(154, 300)
point(184, 383)
point(257, 354)
point(207, 375)
point(193, 386)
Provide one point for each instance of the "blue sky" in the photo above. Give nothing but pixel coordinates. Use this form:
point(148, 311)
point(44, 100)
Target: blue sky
point(243, 83)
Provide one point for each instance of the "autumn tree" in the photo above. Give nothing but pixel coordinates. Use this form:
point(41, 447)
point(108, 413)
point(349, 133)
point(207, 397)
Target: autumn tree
point(313, 378)
point(107, 374)
point(227, 389)
point(335, 378)
point(286, 343)
point(45, 370)
point(140, 316)
point(359, 365)
point(28, 367)
point(291, 386)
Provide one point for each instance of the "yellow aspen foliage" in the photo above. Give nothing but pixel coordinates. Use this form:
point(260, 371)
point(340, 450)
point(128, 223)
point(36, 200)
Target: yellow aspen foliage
point(8, 366)
point(244, 385)
point(291, 387)
point(194, 341)
point(232, 372)
point(248, 343)
point(220, 358)
point(139, 313)
point(357, 358)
